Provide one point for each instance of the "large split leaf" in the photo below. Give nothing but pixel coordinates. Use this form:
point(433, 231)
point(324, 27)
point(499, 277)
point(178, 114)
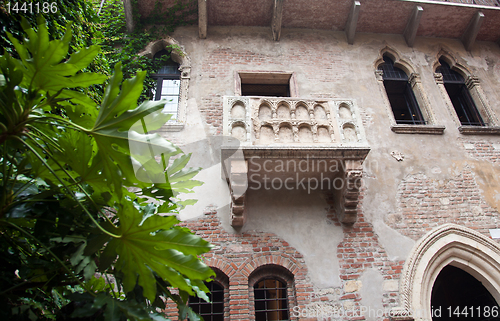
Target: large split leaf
point(68, 169)
point(43, 61)
point(155, 245)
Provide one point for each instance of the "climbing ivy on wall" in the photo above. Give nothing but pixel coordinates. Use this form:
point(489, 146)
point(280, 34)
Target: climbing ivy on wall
point(121, 47)
point(106, 29)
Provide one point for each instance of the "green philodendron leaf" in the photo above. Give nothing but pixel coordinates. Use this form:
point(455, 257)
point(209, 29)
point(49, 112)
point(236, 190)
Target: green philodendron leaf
point(186, 311)
point(176, 238)
point(175, 177)
point(201, 289)
point(111, 131)
point(116, 101)
point(43, 66)
point(11, 108)
point(77, 152)
point(139, 254)
point(87, 156)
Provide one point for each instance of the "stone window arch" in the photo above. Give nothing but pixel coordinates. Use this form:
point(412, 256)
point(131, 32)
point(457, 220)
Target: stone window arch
point(407, 104)
point(451, 76)
point(272, 291)
point(179, 57)
point(447, 245)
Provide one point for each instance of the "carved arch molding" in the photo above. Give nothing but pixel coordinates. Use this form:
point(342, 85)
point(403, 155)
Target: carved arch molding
point(449, 244)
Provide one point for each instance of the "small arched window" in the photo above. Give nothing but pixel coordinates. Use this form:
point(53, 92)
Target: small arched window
point(401, 97)
point(271, 287)
point(213, 311)
point(460, 97)
point(271, 300)
point(168, 83)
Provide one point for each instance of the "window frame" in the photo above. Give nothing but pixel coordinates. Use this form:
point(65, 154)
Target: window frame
point(178, 55)
point(283, 298)
point(161, 77)
point(266, 78)
point(273, 271)
point(429, 126)
point(473, 85)
point(223, 280)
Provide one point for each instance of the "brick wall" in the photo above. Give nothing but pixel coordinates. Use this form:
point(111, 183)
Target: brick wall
point(239, 255)
point(424, 203)
point(482, 150)
point(358, 251)
point(211, 109)
point(314, 60)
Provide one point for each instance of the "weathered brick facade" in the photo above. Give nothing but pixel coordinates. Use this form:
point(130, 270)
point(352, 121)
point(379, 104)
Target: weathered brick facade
point(425, 204)
point(430, 192)
point(236, 256)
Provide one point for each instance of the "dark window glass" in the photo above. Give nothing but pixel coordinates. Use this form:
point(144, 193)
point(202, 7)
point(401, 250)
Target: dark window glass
point(168, 83)
point(265, 90)
point(459, 95)
point(271, 302)
point(400, 94)
point(210, 311)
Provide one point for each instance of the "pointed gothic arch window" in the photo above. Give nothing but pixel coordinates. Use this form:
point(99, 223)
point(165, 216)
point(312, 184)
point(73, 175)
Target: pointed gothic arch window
point(168, 83)
point(460, 96)
point(447, 248)
point(400, 93)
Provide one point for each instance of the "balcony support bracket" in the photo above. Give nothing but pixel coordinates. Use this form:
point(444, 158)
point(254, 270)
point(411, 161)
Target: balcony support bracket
point(349, 195)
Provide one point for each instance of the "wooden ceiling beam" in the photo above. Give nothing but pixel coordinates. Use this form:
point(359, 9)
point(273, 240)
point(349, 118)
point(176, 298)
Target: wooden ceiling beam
point(410, 32)
point(277, 18)
point(202, 19)
point(352, 22)
point(470, 34)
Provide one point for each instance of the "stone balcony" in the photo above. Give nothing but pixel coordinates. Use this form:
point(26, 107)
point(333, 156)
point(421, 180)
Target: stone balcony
point(274, 131)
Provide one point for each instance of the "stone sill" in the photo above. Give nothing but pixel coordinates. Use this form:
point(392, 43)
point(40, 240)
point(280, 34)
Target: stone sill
point(172, 127)
point(418, 129)
point(479, 130)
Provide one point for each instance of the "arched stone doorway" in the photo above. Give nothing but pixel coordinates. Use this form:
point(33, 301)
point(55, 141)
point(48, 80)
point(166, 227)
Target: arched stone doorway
point(457, 295)
point(447, 245)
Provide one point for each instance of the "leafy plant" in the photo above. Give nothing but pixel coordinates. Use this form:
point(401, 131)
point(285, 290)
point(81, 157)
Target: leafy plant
point(121, 47)
point(106, 29)
point(77, 241)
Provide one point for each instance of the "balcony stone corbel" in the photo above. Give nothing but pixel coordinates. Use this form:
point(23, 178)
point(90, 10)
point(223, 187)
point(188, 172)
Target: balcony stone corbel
point(349, 195)
point(238, 186)
point(328, 144)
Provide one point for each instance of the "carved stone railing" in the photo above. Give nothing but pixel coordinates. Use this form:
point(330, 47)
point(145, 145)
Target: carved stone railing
point(273, 129)
point(292, 121)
